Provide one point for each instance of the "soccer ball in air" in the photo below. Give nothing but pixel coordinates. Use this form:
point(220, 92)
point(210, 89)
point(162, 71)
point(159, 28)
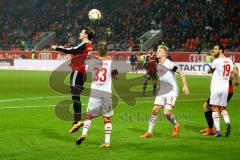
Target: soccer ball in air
point(94, 14)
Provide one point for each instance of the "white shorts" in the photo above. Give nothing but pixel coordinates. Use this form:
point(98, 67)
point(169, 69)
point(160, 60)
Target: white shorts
point(167, 101)
point(219, 99)
point(101, 106)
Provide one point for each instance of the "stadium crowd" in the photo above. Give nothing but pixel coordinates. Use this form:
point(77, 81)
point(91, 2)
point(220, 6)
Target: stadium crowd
point(187, 25)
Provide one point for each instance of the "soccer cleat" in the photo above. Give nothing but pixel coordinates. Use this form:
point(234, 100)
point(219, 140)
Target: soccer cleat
point(176, 130)
point(146, 135)
point(228, 126)
point(80, 139)
point(218, 134)
point(106, 145)
point(209, 132)
point(76, 126)
point(204, 130)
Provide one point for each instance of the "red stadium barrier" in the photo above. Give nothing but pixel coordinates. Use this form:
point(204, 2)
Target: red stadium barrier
point(120, 56)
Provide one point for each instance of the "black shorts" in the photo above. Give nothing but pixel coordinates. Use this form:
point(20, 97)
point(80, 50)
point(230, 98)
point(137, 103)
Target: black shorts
point(133, 63)
point(77, 80)
point(151, 76)
point(228, 98)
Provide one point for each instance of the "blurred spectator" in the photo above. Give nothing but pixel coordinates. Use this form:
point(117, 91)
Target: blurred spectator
point(185, 23)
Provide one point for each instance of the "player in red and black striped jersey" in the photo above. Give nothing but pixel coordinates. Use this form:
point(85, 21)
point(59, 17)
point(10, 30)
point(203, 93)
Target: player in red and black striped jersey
point(78, 76)
point(151, 70)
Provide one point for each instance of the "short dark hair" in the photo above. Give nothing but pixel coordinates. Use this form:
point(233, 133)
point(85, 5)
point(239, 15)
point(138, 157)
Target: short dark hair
point(221, 47)
point(102, 48)
point(90, 32)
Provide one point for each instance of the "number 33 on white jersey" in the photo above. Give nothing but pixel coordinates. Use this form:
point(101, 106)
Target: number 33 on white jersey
point(101, 76)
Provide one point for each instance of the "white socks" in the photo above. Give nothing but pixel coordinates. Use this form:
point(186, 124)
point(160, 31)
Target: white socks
point(225, 116)
point(152, 122)
point(216, 120)
point(87, 124)
point(108, 131)
point(172, 119)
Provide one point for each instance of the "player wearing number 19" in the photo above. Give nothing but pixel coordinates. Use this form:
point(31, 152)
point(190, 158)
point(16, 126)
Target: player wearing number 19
point(222, 69)
point(100, 101)
point(78, 76)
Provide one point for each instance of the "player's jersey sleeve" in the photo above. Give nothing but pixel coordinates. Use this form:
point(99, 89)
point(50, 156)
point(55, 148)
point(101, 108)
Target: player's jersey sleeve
point(213, 65)
point(147, 58)
point(170, 65)
point(72, 50)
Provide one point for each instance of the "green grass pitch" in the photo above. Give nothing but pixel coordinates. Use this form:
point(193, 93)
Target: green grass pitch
point(29, 128)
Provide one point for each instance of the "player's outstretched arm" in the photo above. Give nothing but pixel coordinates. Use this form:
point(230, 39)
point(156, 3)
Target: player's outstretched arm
point(70, 50)
point(184, 82)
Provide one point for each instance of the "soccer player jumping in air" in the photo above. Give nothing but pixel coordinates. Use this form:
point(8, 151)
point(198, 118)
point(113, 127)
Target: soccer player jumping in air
point(166, 100)
point(78, 75)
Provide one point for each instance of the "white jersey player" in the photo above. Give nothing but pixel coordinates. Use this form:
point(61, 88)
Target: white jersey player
point(220, 81)
point(168, 91)
point(100, 101)
point(222, 69)
point(168, 77)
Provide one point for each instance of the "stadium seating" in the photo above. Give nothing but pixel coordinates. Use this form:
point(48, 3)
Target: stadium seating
point(187, 24)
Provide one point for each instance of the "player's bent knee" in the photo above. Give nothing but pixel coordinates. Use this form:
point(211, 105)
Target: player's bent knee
point(215, 108)
point(107, 120)
point(156, 109)
point(222, 109)
point(167, 112)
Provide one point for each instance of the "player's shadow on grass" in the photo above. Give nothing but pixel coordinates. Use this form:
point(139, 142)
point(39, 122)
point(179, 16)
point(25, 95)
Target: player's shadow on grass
point(50, 133)
point(193, 128)
point(152, 147)
point(140, 131)
point(137, 130)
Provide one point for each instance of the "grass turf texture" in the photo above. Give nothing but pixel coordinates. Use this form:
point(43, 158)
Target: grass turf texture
point(31, 130)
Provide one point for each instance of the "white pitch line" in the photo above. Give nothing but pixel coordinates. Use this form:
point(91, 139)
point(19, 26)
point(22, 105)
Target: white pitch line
point(121, 102)
point(16, 107)
point(53, 97)
point(31, 98)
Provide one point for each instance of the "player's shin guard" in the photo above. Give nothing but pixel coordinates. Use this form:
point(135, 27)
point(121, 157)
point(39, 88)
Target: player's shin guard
point(216, 120)
point(172, 119)
point(87, 124)
point(108, 131)
point(208, 116)
point(77, 107)
point(225, 116)
point(152, 122)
